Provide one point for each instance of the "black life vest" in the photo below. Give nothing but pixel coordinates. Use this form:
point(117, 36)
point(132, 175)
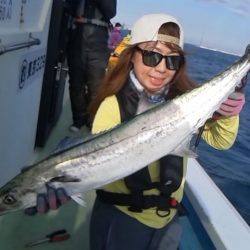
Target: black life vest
point(171, 171)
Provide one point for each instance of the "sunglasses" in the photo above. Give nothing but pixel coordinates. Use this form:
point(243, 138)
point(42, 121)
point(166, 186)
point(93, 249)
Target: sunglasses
point(152, 59)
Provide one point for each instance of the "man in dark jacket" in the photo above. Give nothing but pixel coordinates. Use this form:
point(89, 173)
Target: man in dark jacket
point(87, 53)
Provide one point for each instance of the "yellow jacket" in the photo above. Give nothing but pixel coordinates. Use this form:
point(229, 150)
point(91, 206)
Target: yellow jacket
point(113, 59)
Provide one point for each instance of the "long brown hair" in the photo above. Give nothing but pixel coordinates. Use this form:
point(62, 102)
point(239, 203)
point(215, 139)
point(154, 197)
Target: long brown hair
point(117, 77)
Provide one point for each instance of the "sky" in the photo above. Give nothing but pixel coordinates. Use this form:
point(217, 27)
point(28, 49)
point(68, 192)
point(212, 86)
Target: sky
point(217, 24)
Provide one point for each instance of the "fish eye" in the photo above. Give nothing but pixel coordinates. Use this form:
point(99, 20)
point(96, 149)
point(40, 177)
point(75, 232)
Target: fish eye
point(9, 199)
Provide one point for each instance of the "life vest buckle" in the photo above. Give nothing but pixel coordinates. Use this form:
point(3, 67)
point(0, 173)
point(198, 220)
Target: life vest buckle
point(137, 202)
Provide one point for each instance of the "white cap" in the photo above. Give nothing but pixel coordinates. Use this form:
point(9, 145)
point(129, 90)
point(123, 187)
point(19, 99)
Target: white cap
point(146, 29)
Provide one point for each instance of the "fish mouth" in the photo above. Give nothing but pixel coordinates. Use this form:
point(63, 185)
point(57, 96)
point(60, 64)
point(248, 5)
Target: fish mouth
point(4, 211)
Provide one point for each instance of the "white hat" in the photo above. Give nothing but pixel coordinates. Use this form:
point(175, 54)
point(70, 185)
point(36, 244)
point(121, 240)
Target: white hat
point(147, 27)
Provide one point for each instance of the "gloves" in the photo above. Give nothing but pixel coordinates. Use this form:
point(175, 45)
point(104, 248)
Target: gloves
point(52, 200)
point(232, 106)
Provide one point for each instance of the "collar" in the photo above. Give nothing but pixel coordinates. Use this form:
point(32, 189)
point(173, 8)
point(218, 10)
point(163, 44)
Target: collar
point(135, 83)
point(158, 97)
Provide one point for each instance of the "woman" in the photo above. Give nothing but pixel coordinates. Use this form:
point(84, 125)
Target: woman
point(150, 71)
point(140, 212)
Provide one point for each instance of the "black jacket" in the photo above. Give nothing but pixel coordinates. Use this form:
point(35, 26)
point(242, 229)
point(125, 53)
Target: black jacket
point(93, 37)
point(106, 7)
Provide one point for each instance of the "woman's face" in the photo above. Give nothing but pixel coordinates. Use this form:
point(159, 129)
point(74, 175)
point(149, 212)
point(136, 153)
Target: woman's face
point(153, 78)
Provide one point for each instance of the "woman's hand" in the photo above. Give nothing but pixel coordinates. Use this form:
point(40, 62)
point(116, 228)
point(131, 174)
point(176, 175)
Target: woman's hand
point(53, 199)
point(233, 105)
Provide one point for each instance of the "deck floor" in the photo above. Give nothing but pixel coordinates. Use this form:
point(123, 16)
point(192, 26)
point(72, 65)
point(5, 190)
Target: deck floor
point(18, 229)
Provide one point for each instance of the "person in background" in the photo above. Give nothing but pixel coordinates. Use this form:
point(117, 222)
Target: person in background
point(141, 212)
point(115, 37)
point(87, 53)
point(114, 57)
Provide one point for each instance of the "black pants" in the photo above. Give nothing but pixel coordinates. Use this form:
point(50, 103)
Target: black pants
point(110, 229)
point(87, 66)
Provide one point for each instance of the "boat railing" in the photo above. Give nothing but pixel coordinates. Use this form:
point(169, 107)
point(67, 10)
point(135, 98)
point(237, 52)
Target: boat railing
point(12, 47)
point(222, 222)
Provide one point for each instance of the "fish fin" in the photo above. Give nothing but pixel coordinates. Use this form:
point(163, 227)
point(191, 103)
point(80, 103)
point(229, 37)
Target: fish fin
point(185, 148)
point(65, 178)
point(71, 142)
point(78, 198)
point(190, 152)
point(68, 142)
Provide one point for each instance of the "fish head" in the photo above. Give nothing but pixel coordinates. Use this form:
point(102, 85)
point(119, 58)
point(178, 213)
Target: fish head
point(16, 195)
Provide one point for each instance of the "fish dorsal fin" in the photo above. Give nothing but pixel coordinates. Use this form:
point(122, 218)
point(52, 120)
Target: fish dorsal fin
point(65, 178)
point(185, 148)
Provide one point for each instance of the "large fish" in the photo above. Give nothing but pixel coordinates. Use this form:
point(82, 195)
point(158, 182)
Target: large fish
point(126, 148)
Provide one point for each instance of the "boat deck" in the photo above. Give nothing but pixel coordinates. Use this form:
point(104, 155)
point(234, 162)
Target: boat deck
point(18, 229)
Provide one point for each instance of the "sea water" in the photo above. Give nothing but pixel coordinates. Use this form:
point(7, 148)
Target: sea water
point(230, 169)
